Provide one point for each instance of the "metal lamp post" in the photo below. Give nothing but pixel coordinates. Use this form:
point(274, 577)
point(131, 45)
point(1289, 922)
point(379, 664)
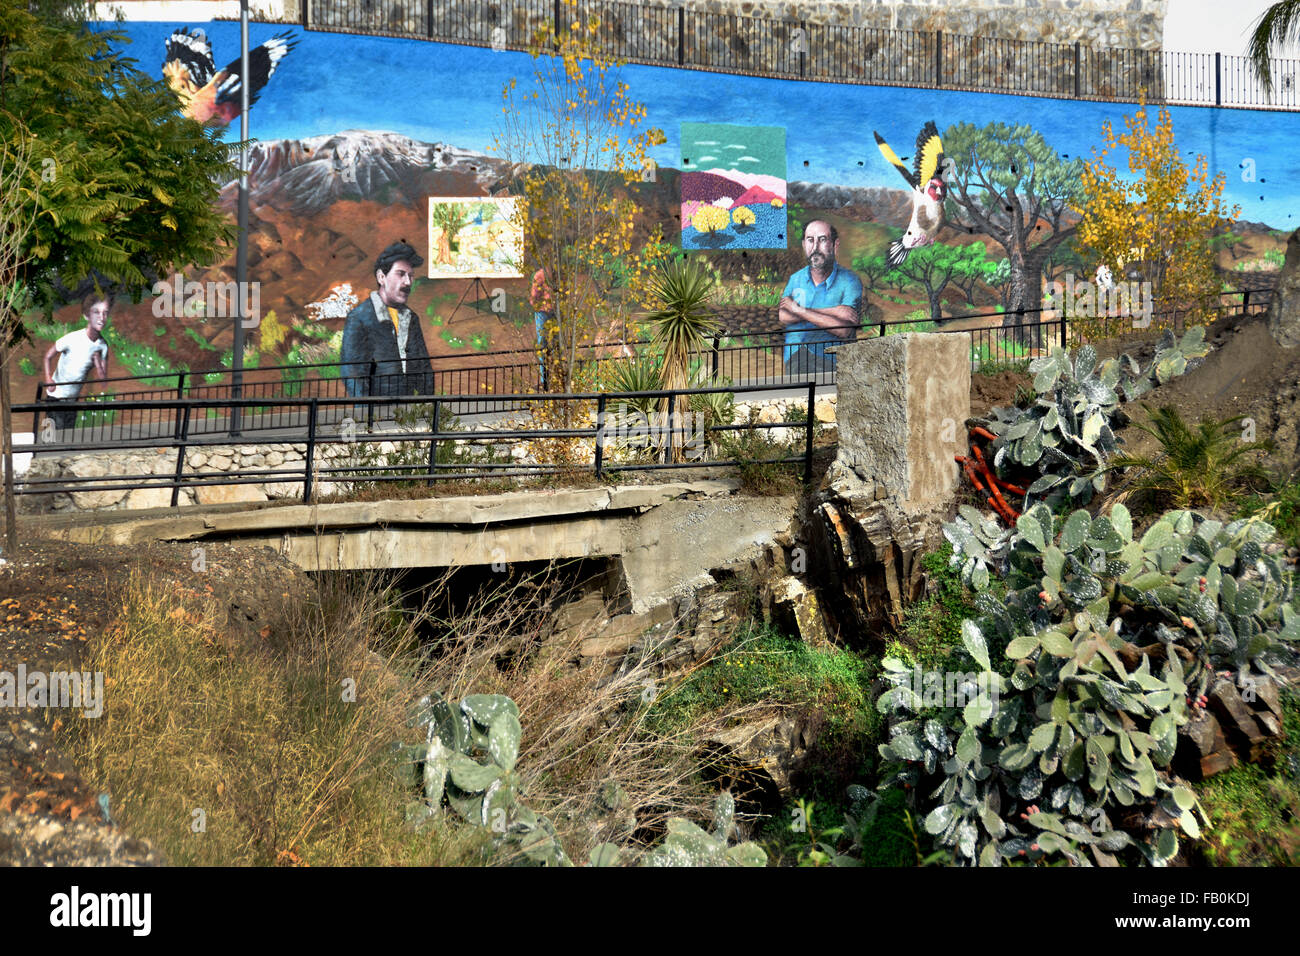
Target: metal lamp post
point(241, 260)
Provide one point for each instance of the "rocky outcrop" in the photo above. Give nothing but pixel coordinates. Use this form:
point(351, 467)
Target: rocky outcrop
point(1284, 310)
point(1120, 39)
point(1237, 726)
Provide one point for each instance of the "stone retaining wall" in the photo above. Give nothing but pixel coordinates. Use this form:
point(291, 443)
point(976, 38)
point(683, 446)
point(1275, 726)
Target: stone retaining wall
point(767, 37)
point(252, 458)
point(1134, 24)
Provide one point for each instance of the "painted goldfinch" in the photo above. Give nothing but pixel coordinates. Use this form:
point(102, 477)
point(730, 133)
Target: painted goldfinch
point(928, 191)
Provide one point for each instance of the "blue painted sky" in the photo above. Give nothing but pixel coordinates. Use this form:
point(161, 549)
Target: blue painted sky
point(447, 93)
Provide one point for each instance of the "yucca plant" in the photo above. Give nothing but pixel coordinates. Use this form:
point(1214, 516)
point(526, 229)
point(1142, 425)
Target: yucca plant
point(631, 417)
point(1201, 466)
point(679, 296)
point(644, 373)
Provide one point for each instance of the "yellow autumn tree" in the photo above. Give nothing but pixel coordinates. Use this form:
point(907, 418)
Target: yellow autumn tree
point(1161, 223)
point(574, 135)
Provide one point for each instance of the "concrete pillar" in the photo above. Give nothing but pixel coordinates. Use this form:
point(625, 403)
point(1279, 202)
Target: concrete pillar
point(902, 406)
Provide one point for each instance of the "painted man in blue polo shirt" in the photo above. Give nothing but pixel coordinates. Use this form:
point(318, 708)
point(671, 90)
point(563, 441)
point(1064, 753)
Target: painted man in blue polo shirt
point(821, 304)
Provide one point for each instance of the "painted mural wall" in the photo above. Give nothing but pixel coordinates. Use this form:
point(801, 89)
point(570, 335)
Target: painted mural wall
point(355, 135)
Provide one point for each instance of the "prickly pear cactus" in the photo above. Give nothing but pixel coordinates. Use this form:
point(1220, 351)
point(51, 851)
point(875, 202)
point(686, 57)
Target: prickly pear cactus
point(1081, 674)
point(688, 845)
point(469, 759)
point(1060, 445)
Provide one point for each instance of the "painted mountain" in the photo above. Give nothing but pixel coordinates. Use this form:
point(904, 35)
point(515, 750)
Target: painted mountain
point(733, 187)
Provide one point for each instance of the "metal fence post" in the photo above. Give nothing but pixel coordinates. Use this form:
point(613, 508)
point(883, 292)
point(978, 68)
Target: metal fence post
point(938, 58)
point(180, 396)
point(681, 34)
point(182, 436)
point(600, 434)
point(1077, 61)
point(310, 457)
point(715, 355)
point(808, 434)
point(672, 404)
point(433, 442)
point(1218, 74)
point(370, 408)
point(428, 19)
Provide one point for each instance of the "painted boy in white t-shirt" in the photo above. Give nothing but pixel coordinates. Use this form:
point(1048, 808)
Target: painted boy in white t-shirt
point(78, 352)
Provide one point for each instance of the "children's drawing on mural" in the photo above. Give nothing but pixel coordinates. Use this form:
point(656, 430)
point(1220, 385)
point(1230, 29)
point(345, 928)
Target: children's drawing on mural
point(215, 97)
point(479, 238)
point(337, 174)
point(733, 188)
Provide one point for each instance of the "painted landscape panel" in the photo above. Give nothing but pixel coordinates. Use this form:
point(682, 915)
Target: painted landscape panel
point(733, 188)
point(475, 238)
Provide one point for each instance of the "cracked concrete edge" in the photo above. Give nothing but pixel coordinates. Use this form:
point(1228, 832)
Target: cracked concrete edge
point(110, 528)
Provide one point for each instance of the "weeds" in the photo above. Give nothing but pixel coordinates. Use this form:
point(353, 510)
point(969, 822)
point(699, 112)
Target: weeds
point(760, 459)
point(831, 688)
point(991, 368)
point(589, 761)
point(932, 625)
point(224, 754)
point(1283, 506)
point(1255, 815)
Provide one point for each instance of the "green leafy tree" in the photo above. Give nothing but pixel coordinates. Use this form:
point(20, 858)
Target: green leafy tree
point(974, 268)
point(123, 186)
point(872, 270)
point(1007, 182)
point(933, 268)
point(118, 187)
point(15, 223)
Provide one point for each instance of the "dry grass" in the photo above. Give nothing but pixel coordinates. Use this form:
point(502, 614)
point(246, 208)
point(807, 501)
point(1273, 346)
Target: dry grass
point(225, 754)
point(253, 756)
point(583, 731)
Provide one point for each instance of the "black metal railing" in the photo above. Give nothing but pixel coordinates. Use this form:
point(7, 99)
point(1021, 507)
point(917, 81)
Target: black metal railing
point(327, 422)
point(761, 358)
point(777, 47)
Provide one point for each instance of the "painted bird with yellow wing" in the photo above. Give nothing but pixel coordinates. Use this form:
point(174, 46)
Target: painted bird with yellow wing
point(928, 191)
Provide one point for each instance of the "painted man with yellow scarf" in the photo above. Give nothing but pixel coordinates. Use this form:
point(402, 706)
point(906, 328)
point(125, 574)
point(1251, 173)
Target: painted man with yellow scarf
point(382, 330)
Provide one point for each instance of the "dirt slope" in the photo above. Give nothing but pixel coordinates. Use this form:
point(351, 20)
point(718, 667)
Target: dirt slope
point(1247, 374)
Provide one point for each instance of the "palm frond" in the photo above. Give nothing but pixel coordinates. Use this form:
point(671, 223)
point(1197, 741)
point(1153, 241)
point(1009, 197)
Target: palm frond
point(1198, 465)
point(1277, 25)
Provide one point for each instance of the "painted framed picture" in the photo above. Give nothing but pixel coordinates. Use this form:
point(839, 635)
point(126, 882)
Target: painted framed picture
point(733, 186)
point(475, 238)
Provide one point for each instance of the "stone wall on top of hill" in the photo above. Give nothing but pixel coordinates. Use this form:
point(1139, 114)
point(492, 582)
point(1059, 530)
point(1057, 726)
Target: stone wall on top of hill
point(810, 39)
